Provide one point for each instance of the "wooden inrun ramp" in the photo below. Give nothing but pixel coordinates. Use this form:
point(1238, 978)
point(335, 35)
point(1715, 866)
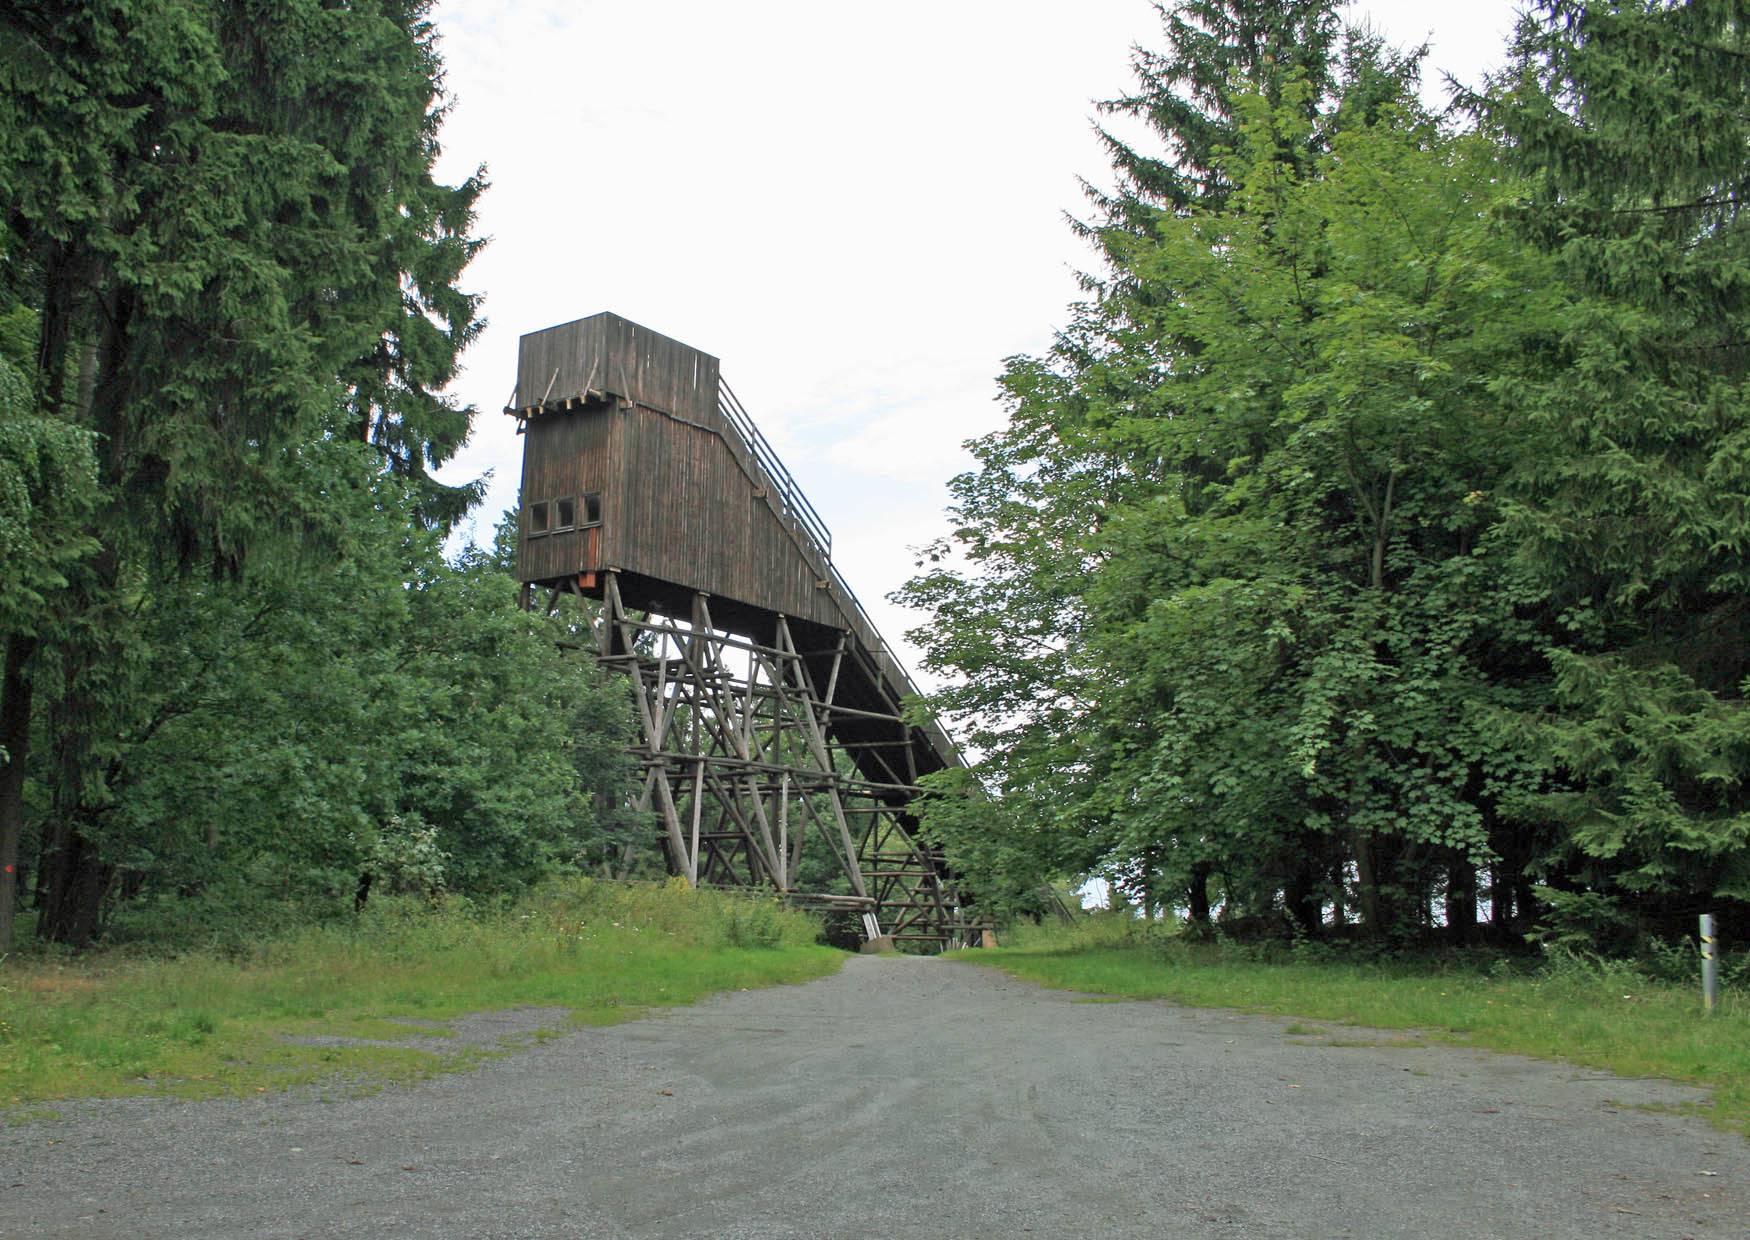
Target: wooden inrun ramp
point(771, 707)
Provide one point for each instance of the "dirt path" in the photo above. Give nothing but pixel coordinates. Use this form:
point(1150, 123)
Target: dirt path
point(908, 1098)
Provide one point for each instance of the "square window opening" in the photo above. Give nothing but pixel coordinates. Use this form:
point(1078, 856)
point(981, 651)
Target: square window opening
point(564, 514)
point(592, 510)
point(538, 519)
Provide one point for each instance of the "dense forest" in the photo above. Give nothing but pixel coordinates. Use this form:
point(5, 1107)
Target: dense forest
point(243, 681)
point(1370, 555)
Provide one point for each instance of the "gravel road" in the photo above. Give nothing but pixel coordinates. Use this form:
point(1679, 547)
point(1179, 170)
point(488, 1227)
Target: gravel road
point(906, 1097)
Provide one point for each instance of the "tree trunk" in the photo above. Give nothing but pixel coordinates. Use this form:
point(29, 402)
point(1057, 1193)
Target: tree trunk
point(1155, 900)
point(62, 281)
point(1197, 894)
point(1400, 896)
point(75, 881)
point(1366, 883)
point(1500, 903)
point(1461, 901)
point(15, 702)
point(1524, 901)
point(73, 876)
point(1300, 897)
point(1367, 863)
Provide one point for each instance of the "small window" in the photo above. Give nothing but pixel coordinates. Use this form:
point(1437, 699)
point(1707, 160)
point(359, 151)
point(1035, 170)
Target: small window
point(537, 519)
point(564, 514)
point(592, 510)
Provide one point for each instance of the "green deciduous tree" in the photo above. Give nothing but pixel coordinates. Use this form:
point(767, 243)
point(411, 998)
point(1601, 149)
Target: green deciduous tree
point(1371, 545)
point(1310, 614)
point(371, 717)
point(1013, 622)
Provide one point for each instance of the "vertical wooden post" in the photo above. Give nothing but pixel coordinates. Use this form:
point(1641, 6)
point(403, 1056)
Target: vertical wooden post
point(740, 753)
point(784, 832)
point(698, 804)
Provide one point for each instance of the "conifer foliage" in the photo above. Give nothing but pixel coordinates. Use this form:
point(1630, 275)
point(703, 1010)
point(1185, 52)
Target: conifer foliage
point(1629, 123)
point(236, 660)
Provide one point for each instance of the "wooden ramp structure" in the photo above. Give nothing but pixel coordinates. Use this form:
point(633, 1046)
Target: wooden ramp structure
point(771, 731)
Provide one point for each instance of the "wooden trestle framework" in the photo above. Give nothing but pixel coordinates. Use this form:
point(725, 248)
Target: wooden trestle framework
point(770, 731)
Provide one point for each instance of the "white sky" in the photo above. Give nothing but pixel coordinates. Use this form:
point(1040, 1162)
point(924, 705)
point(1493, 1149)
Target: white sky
point(859, 209)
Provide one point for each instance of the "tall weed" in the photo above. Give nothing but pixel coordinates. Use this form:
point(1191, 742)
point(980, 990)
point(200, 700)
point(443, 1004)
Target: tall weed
point(701, 917)
point(1099, 928)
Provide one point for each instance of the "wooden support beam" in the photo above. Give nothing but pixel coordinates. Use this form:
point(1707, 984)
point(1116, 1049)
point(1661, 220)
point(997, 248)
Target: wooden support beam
point(749, 762)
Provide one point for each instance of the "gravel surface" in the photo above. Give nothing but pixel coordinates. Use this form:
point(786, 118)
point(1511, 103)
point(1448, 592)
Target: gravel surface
point(906, 1097)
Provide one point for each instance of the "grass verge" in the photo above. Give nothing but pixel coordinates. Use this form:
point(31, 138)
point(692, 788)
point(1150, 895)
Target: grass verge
point(1599, 1014)
point(205, 1025)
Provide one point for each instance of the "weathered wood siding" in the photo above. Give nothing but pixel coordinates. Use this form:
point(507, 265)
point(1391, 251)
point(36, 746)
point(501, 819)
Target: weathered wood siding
point(616, 357)
point(565, 456)
point(615, 410)
point(685, 511)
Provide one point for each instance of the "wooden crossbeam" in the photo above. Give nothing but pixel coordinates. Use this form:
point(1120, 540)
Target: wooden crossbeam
point(747, 767)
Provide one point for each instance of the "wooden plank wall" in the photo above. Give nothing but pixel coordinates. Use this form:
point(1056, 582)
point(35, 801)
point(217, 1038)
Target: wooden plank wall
point(678, 487)
point(565, 455)
point(685, 511)
point(678, 504)
point(678, 501)
point(608, 354)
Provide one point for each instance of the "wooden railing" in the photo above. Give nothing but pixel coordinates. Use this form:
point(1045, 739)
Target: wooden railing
point(791, 502)
point(802, 518)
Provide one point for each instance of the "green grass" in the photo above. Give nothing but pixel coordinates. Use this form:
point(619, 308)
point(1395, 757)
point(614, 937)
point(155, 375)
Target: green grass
point(204, 1025)
point(1598, 1014)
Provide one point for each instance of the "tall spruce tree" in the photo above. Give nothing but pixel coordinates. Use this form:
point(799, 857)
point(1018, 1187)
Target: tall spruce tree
point(356, 718)
point(46, 481)
point(1633, 508)
point(224, 220)
point(1184, 95)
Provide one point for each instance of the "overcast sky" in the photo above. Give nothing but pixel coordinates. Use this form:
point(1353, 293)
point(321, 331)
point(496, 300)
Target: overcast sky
point(859, 209)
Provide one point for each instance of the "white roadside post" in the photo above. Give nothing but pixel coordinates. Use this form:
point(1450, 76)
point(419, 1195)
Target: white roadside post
point(1710, 963)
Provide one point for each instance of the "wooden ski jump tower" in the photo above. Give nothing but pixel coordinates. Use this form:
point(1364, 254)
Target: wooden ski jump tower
point(769, 706)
